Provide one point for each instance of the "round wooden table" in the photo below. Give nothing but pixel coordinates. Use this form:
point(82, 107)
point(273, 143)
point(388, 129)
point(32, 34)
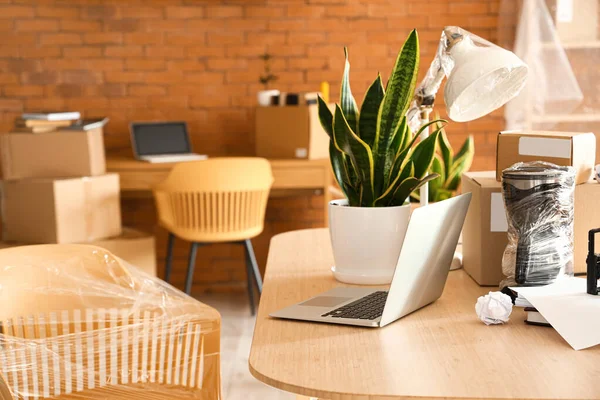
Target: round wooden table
point(440, 351)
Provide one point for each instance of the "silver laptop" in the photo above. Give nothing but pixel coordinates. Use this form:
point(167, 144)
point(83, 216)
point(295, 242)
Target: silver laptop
point(419, 278)
point(162, 142)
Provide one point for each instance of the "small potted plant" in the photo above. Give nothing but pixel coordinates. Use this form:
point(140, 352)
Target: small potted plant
point(264, 96)
point(449, 167)
point(378, 162)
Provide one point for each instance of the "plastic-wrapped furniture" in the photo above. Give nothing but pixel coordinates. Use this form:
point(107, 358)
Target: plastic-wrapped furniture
point(78, 322)
point(214, 201)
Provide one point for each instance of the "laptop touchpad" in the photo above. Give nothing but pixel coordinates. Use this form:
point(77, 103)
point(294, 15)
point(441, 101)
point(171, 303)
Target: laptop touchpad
point(325, 301)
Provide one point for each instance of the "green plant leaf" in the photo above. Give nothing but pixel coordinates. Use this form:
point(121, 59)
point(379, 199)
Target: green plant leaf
point(340, 171)
point(394, 151)
point(359, 153)
point(325, 117)
point(445, 148)
point(398, 95)
point(462, 163)
point(423, 154)
point(468, 148)
point(437, 167)
point(407, 187)
point(386, 197)
point(347, 101)
point(367, 123)
point(406, 149)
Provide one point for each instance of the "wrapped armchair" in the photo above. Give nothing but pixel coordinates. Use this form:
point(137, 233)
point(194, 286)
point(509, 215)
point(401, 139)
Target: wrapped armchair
point(78, 322)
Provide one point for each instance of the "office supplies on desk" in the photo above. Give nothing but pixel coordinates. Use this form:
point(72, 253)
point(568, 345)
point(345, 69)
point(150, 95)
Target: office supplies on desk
point(419, 278)
point(566, 305)
point(539, 206)
point(87, 124)
point(53, 116)
point(161, 142)
point(533, 317)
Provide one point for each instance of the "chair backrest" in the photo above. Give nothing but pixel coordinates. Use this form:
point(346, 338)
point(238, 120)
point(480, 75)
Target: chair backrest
point(77, 321)
point(219, 199)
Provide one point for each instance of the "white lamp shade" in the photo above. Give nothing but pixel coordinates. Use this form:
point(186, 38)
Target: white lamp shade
point(483, 79)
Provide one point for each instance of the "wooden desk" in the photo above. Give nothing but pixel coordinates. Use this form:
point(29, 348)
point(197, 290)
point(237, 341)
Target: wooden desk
point(441, 351)
point(290, 176)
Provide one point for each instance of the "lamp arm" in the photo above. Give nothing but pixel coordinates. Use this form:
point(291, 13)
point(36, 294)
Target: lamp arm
point(440, 67)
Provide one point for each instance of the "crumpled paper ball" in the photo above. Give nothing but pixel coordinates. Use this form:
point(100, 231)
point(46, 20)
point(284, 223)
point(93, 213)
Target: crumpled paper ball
point(494, 308)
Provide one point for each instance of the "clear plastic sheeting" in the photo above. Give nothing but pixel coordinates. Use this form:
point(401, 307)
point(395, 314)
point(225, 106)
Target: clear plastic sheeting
point(552, 89)
point(481, 77)
point(538, 197)
point(78, 322)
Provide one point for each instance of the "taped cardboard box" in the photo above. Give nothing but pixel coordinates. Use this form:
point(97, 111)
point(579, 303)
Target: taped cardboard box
point(290, 132)
point(560, 148)
point(109, 330)
point(71, 210)
point(587, 216)
point(484, 235)
point(136, 247)
point(53, 154)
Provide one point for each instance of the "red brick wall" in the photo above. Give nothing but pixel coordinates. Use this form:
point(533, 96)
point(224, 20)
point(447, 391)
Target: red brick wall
point(198, 61)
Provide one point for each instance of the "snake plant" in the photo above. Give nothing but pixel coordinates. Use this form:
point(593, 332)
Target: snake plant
point(375, 156)
point(449, 167)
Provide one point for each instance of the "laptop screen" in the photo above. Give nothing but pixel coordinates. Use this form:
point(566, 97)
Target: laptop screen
point(160, 138)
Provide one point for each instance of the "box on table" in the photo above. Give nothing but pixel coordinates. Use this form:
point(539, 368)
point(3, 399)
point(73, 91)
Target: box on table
point(290, 132)
point(53, 154)
point(587, 216)
point(484, 235)
point(134, 246)
point(61, 210)
point(560, 148)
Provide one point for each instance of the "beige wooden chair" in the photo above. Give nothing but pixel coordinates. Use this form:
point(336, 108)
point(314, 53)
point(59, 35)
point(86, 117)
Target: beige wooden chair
point(215, 201)
point(77, 322)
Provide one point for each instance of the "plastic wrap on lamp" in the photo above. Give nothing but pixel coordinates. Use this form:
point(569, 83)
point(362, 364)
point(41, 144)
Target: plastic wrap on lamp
point(485, 76)
point(481, 76)
point(538, 197)
point(77, 321)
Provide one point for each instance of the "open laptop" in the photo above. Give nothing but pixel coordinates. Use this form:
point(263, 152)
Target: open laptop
point(419, 278)
point(162, 142)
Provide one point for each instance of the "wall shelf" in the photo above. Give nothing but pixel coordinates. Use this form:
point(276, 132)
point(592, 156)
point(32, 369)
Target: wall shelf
point(591, 117)
point(586, 44)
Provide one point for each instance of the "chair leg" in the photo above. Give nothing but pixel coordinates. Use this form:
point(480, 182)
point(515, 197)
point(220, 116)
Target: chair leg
point(191, 264)
point(250, 286)
point(169, 260)
point(252, 259)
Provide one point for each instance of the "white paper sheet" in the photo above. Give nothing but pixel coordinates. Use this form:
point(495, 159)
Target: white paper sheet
point(569, 309)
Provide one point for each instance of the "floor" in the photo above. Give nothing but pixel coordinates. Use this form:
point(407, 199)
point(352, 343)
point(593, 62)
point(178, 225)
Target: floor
point(236, 338)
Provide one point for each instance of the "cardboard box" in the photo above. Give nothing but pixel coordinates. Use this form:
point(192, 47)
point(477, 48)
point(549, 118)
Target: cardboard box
point(135, 247)
point(560, 148)
point(587, 216)
point(290, 132)
point(61, 210)
point(484, 235)
point(577, 21)
point(53, 154)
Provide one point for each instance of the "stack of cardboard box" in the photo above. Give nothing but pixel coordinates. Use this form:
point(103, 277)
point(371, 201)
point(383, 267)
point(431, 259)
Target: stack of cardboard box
point(484, 233)
point(56, 190)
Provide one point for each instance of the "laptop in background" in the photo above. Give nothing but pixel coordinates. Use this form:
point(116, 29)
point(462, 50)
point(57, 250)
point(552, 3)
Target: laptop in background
point(162, 142)
point(419, 278)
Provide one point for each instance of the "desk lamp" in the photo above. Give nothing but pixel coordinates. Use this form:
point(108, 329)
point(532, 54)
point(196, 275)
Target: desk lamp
point(481, 78)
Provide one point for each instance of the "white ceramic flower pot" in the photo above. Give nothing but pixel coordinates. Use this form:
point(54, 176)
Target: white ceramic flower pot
point(264, 97)
point(366, 241)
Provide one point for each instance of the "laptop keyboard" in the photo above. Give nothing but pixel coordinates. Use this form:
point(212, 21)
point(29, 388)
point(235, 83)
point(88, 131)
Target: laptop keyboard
point(368, 307)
